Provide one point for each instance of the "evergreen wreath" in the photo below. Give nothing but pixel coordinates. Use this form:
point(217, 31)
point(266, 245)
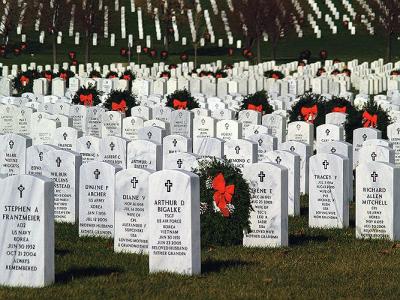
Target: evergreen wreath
point(111, 75)
point(224, 203)
point(395, 73)
point(220, 74)
point(95, 74)
point(128, 75)
point(121, 100)
point(353, 120)
point(258, 102)
point(88, 96)
point(374, 116)
point(309, 108)
point(66, 75)
point(23, 82)
point(49, 75)
point(274, 74)
point(181, 99)
point(165, 74)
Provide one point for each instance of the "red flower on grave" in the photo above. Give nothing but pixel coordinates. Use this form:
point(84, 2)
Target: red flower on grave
point(178, 104)
point(119, 106)
point(342, 109)
point(309, 113)
point(369, 120)
point(87, 100)
point(223, 194)
point(255, 107)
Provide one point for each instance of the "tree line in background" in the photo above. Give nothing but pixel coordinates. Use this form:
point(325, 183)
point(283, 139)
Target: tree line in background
point(254, 20)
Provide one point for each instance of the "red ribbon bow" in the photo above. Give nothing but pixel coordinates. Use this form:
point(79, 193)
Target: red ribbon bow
point(48, 76)
point(218, 76)
point(87, 100)
point(275, 76)
point(369, 120)
point(24, 80)
point(340, 109)
point(119, 107)
point(255, 107)
point(223, 194)
point(63, 76)
point(309, 113)
point(179, 104)
point(127, 77)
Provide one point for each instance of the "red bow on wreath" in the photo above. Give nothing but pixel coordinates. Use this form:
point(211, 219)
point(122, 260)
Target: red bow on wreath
point(369, 120)
point(179, 104)
point(255, 107)
point(119, 107)
point(63, 76)
point(218, 76)
point(87, 100)
point(127, 77)
point(24, 80)
point(309, 113)
point(340, 109)
point(48, 76)
point(223, 194)
point(275, 76)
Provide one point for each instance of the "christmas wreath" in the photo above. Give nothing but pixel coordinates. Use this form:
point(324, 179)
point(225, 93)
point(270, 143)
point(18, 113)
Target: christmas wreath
point(181, 99)
point(310, 108)
point(121, 101)
point(220, 74)
point(65, 75)
point(205, 74)
point(95, 74)
point(224, 203)
point(320, 72)
point(258, 102)
point(165, 74)
point(128, 75)
point(341, 105)
point(88, 96)
point(112, 75)
point(23, 82)
point(49, 75)
point(274, 74)
point(335, 72)
point(395, 73)
point(375, 117)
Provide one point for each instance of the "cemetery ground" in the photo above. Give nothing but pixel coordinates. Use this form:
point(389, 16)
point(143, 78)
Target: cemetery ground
point(318, 264)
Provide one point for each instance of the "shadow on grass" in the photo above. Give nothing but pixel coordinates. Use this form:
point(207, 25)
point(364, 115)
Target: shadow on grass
point(214, 266)
point(77, 273)
point(295, 239)
point(62, 252)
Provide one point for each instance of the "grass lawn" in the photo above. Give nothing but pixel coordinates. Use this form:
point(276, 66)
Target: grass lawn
point(318, 264)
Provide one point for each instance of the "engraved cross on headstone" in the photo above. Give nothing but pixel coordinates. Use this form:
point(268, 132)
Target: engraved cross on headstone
point(364, 137)
point(373, 156)
point(65, 135)
point(88, 144)
point(327, 132)
point(96, 173)
point(41, 156)
point(20, 189)
point(168, 185)
point(260, 142)
point(237, 149)
point(134, 181)
point(149, 135)
point(325, 164)
point(58, 161)
point(11, 144)
point(112, 146)
point(278, 160)
point(174, 142)
point(374, 175)
point(261, 175)
point(179, 162)
point(292, 148)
